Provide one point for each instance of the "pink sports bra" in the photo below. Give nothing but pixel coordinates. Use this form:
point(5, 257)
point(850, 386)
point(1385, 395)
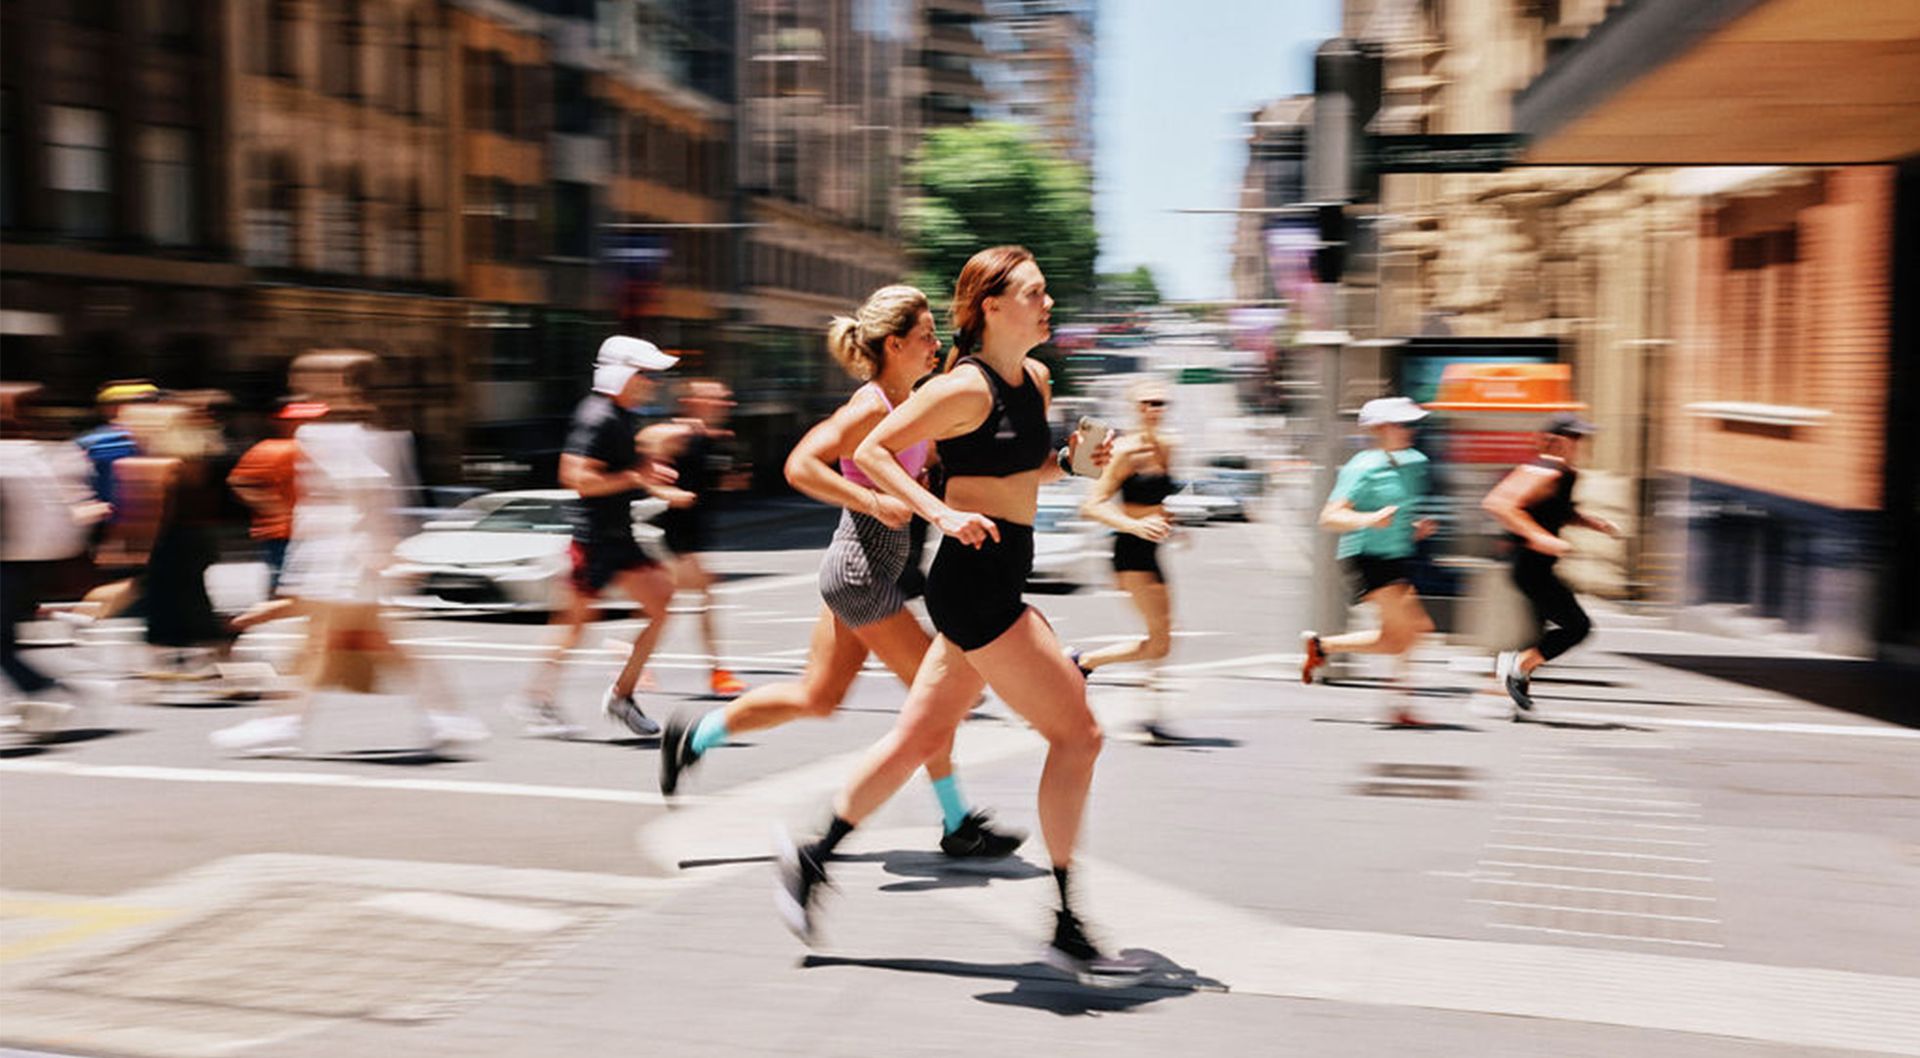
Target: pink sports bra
point(913, 460)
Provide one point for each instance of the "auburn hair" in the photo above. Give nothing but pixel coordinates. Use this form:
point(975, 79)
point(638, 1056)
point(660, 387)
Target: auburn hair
point(984, 276)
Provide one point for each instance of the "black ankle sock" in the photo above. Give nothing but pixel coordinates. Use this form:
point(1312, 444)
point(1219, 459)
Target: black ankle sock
point(822, 850)
point(1060, 878)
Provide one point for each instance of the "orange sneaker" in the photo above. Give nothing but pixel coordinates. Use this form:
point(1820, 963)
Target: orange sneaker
point(1314, 656)
point(726, 683)
point(1404, 717)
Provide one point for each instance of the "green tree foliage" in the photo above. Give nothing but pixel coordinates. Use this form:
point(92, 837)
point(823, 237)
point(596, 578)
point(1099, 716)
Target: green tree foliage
point(987, 184)
point(1129, 290)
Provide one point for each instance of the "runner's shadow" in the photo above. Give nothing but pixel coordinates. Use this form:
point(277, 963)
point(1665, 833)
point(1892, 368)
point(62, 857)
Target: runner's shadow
point(631, 741)
point(1168, 740)
point(410, 757)
point(929, 870)
point(1587, 725)
point(1038, 986)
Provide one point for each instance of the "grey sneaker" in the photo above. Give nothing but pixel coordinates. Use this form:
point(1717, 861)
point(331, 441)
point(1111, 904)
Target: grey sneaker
point(540, 718)
point(625, 710)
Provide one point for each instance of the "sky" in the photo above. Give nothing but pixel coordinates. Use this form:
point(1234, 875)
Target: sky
point(1174, 84)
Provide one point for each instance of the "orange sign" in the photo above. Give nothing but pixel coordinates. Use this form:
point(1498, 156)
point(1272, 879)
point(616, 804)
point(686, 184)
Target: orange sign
point(1506, 387)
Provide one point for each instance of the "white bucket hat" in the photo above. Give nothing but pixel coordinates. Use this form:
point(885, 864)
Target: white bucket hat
point(1399, 410)
point(621, 357)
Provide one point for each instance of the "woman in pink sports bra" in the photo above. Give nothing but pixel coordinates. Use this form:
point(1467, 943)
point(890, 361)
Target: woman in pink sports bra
point(889, 343)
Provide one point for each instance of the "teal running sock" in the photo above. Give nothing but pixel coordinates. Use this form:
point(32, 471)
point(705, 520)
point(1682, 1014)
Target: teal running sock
point(711, 731)
point(952, 808)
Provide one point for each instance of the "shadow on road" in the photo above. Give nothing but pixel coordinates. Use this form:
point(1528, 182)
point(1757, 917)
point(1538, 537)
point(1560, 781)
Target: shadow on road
point(929, 869)
point(1038, 986)
point(1873, 689)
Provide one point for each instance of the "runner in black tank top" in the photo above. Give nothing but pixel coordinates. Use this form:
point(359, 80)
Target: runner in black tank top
point(1534, 502)
point(988, 417)
point(1128, 499)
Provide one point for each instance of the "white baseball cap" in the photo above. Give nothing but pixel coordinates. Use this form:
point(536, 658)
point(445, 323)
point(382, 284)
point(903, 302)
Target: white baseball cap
point(622, 357)
point(1399, 410)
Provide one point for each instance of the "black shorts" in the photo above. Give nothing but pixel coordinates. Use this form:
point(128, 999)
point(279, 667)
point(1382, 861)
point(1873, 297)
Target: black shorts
point(1370, 573)
point(1131, 553)
point(973, 594)
point(595, 565)
point(684, 530)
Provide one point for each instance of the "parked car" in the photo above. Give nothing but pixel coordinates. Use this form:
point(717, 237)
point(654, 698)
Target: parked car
point(1205, 501)
point(1068, 550)
point(497, 552)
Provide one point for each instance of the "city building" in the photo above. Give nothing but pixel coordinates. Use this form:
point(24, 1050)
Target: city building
point(1275, 178)
point(1041, 73)
point(117, 237)
point(944, 79)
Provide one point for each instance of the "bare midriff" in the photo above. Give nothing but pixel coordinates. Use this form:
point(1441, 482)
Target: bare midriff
point(1013, 498)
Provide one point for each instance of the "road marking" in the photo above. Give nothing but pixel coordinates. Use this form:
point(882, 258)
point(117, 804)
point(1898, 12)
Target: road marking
point(1618, 800)
point(89, 920)
point(1599, 822)
point(1598, 870)
point(1603, 837)
point(1606, 936)
point(1227, 663)
point(1587, 776)
point(470, 911)
point(1586, 889)
point(341, 780)
point(1612, 811)
point(769, 584)
point(1596, 911)
point(1595, 852)
point(1769, 727)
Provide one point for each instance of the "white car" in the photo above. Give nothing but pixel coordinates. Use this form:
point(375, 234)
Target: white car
point(500, 552)
point(1197, 504)
point(1068, 549)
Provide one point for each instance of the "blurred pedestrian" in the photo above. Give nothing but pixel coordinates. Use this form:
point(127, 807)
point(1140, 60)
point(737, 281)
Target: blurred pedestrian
point(111, 440)
point(889, 343)
point(1373, 509)
point(702, 467)
point(350, 479)
point(988, 414)
point(1130, 498)
point(169, 494)
point(47, 512)
point(612, 462)
point(1533, 503)
point(265, 480)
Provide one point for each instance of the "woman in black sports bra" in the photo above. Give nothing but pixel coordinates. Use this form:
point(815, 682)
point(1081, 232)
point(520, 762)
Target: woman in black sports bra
point(988, 416)
point(1130, 498)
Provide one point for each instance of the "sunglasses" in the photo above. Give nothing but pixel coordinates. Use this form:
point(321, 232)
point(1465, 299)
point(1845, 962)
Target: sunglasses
point(1153, 402)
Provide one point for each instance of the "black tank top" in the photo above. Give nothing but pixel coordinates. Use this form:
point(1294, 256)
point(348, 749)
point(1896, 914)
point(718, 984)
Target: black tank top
point(1556, 510)
point(1014, 438)
point(1145, 489)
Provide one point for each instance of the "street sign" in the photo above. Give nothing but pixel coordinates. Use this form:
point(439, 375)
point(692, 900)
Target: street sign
point(1474, 152)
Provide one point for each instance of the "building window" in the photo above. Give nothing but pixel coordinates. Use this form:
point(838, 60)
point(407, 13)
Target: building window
point(167, 198)
point(572, 219)
point(9, 169)
point(478, 215)
point(340, 51)
point(406, 81)
point(1763, 319)
point(500, 78)
point(272, 218)
point(342, 224)
point(573, 109)
point(79, 171)
point(283, 22)
point(169, 23)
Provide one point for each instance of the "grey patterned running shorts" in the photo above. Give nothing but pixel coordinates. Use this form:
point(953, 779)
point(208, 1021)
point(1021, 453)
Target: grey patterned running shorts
point(860, 574)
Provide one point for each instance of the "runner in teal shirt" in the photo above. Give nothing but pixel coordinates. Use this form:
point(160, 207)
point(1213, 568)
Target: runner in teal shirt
point(1374, 506)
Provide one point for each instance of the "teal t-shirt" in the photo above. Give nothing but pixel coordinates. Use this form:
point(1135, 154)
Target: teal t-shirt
point(1374, 479)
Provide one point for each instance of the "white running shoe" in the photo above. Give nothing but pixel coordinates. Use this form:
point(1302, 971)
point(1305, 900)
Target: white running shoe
point(626, 711)
point(539, 718)
point(455, 728)
point(260, 737)
point(1503, 665)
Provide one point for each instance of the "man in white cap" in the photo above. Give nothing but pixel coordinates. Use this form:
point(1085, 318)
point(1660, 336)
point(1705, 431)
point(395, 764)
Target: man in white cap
point(609, 460)
point(1372, 508)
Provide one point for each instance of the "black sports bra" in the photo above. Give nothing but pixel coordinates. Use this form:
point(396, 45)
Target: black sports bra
point(1147, 489)
point(1014, 438)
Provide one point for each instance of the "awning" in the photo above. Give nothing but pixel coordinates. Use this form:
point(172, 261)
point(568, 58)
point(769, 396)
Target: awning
point(1732, 82)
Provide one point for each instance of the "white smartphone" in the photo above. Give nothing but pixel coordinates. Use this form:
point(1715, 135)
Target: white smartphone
point(1093, 434)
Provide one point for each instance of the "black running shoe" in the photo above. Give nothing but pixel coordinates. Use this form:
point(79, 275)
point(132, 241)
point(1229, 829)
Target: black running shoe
point(1074, 654)
point(1158, 734)
point(976, 839)
point(676, 753)
point(1071, 952)
point(798, 878)
point(1519, 690)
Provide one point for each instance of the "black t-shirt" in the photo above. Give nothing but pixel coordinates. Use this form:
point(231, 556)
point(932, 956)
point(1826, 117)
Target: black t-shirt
point(604, 431)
